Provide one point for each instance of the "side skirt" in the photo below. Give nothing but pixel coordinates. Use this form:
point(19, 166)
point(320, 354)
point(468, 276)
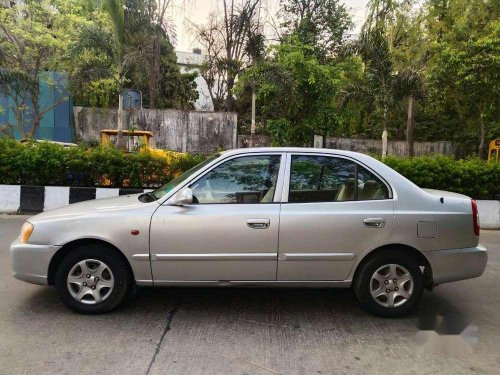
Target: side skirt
point(249, 284)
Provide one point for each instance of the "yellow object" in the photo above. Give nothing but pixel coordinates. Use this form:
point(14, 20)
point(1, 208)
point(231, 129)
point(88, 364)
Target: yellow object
point(26, 231)
point(137, 140)
point(494, 150)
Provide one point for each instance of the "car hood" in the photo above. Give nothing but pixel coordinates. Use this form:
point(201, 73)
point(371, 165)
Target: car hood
point(96, 206)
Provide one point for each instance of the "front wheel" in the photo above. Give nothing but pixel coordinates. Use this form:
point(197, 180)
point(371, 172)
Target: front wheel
point(390, 284)
point(93, 279)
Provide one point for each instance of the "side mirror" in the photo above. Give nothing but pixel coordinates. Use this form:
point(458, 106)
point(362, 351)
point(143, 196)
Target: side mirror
point(185, 196)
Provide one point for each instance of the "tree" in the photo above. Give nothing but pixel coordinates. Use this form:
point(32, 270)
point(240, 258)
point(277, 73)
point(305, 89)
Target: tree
point(295, 91)
point(33, 35)
point(319, 23)
point(225, 38)
point(129, 44)
point(379, 82)
point(464, 71)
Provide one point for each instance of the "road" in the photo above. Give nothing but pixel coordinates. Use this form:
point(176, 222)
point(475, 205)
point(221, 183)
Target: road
point(240, 331)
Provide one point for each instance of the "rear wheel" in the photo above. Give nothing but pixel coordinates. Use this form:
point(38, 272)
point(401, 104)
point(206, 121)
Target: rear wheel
point(389, 284)
point(93, 279)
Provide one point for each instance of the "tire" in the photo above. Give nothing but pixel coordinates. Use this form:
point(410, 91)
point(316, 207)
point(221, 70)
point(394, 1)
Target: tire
point(109, 285)
point(379, 270)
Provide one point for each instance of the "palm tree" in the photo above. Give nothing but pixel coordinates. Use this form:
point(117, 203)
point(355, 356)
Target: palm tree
point(410, 85)
point(134, 42)
point(380, 81)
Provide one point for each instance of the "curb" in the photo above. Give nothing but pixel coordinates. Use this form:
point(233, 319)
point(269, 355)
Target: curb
point(34, 199)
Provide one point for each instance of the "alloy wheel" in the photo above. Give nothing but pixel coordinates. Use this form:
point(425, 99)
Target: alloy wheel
point(391, 285)
point(90, 281)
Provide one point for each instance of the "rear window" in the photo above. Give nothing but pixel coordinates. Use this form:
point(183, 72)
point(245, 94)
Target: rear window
point(331, 179)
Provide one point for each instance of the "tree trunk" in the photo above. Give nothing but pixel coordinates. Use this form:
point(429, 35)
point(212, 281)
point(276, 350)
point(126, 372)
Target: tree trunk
point(482, 136)
point(384, 143)
point(229, 101)
point(252, 126)
point(154, 74)
point(384, 134)
point(120, 142)
point(410, 127)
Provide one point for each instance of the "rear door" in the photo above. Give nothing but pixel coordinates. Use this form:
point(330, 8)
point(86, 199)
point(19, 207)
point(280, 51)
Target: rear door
point(333, 210)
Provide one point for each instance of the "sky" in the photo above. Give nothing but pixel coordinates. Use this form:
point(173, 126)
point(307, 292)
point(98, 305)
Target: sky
point(184, 13)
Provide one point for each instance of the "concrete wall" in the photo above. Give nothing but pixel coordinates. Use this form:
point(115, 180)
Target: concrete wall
point(367, 146)
point(398, 148)
point(187, 131)
point(489, 214)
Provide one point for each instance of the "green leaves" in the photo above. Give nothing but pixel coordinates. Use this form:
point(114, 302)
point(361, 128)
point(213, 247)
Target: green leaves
point(43, 163)
point(472, 177)
point(295, 92)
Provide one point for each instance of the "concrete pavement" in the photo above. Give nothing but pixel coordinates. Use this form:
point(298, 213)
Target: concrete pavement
point(239, 331)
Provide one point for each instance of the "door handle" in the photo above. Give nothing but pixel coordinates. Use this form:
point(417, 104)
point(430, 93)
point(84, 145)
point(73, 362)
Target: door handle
point(374, 222)
point(258, 223)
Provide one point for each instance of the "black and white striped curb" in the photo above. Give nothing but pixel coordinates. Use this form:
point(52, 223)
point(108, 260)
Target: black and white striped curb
point(32, 199)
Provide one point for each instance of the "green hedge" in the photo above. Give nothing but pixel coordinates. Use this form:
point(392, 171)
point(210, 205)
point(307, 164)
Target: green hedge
point(473, 177)
point(51, 164)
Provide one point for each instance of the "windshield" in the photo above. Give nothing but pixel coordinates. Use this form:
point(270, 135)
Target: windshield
point(160, 192)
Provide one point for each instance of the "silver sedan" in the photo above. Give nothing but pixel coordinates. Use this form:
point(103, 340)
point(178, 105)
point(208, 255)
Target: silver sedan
point(279, 217)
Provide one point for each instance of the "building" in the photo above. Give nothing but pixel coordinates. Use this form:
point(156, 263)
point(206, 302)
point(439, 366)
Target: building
point(191, 62)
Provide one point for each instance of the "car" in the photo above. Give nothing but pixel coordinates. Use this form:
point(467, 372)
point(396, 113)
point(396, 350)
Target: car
point(273, 217)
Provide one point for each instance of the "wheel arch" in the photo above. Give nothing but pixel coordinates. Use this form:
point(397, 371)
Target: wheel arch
point(417, 255)
point(71, 246)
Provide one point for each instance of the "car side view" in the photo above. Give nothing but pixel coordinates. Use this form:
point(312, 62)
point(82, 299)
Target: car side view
point(274, 217)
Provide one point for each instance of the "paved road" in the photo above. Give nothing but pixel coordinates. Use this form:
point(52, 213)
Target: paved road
point(239, 331)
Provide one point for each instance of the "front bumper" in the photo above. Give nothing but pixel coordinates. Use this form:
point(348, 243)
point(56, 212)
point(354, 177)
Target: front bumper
point(30, 262)
point(457, 264)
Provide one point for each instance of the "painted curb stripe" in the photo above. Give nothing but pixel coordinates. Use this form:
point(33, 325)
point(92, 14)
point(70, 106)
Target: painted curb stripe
point(10, 198)
point(32, 198)
point(80, 194)
point(106, 193)
point(55, 197)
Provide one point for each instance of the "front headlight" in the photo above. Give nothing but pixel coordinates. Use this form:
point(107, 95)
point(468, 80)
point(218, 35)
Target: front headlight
point(26, 231)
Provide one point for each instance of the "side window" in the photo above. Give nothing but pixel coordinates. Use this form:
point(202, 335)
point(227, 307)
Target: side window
point(247, 179)
point(369, 186)
point(330, 179)
point(321, 179)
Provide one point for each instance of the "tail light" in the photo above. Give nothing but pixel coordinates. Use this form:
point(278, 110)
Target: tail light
point(475, 217)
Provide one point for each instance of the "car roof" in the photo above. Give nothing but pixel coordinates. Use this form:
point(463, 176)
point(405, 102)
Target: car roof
point(292, 149)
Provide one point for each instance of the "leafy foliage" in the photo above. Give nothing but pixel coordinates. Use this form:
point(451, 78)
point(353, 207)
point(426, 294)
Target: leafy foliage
point(472, 177)
point(52, 164)
point(33, 38)
point(297, 92)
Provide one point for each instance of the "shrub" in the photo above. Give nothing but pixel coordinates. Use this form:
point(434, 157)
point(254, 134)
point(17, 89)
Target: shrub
point(51, 164)
point(473, 177)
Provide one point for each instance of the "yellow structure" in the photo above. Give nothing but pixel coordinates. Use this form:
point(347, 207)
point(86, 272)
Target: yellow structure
point(136, 138)
point(494, 150)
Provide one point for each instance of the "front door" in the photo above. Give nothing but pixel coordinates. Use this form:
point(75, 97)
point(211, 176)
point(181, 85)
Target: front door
point(335, 210)
point(229, 232)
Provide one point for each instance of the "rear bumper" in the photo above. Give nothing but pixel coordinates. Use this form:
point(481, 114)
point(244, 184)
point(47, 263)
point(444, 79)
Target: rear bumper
point(30, 262)
point(457, 264)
